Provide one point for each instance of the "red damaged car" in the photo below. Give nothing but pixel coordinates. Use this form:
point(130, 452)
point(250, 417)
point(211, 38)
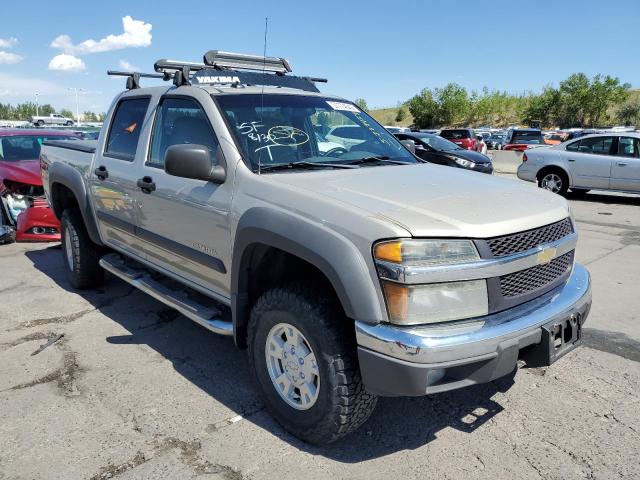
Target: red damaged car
point(24, 212)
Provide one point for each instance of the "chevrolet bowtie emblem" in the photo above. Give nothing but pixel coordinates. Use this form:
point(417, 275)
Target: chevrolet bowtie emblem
point(546, 255)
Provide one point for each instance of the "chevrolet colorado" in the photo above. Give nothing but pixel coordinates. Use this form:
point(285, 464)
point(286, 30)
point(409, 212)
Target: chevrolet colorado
point(347, 272)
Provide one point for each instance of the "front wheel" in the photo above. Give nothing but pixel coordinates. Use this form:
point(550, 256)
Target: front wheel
point(303, 356)
point(69, 123)
point(80, 254)
point(40, 123)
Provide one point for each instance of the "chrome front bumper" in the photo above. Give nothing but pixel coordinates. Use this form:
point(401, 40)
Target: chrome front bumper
point(470, 351)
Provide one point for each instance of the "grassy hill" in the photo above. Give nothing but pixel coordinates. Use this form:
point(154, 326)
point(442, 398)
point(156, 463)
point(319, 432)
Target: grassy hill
point(387, 116)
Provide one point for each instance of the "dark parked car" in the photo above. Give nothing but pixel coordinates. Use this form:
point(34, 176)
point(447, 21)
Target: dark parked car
point(435, 149)
point(464, 137)
point(494, 142)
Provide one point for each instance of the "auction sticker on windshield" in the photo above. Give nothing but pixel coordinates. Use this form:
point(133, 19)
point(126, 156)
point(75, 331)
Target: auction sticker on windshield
point(347, 107)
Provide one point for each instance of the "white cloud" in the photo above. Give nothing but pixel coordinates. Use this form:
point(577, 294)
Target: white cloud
point(8, 42)
point(136, 34)
point(66, 63)
point(9, 58)
point(128, 66)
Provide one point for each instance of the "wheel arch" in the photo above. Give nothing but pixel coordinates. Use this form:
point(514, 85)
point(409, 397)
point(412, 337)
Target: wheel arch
point(313, 249)
point(67, 190)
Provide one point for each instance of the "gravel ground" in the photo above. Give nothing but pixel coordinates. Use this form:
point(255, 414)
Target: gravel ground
point(133, 390)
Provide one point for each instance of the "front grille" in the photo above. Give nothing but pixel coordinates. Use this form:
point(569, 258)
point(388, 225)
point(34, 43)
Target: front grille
point(520, 242)
point(525, 281)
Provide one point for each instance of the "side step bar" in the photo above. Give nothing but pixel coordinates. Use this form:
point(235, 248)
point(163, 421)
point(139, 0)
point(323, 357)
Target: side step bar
point(139, 278)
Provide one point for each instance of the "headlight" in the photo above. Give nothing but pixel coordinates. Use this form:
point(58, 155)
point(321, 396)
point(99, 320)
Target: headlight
point(426, 252)
point(437, 302)
point(464, 163)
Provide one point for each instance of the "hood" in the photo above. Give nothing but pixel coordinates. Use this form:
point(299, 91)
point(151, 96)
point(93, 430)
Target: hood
point(471, 155)
point(434, 200)
point(23, 171)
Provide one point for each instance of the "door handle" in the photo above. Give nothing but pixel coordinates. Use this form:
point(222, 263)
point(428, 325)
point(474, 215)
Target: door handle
point(146, 184)
point(571, 160)
point(621, 164)
point(101, 172)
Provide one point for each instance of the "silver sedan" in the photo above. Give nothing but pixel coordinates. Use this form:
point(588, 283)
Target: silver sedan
point(609, 161)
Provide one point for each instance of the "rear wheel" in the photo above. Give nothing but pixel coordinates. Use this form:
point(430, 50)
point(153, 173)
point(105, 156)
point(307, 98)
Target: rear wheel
point(69, 123)
point(40, 123)
point(303, 356)
point(554, 180)
point(80, 254)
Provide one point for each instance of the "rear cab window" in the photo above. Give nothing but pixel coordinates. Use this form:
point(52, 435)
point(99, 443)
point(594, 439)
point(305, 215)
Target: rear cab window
point(527, 137)
point(126, 125)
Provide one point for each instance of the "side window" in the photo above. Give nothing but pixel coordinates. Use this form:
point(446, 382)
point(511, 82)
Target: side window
point(573, 147)
point(125, 128)
point(597, 145)
point(179, 121)
point(628, 147)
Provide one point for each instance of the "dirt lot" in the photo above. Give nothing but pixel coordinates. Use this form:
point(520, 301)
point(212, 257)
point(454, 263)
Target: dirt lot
point(133, 390)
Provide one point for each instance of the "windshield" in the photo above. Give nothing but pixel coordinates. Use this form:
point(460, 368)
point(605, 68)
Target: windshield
point(439, 143)
point(26, 147)
point(285, 129)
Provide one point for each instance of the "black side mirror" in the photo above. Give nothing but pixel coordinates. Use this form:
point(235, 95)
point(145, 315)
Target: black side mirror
point(194, 161)
point(410, 145)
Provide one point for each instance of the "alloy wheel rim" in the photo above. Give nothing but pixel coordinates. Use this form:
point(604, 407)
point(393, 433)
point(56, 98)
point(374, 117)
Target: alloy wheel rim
point(292, 366)
point(67, 249)
point(552, 182)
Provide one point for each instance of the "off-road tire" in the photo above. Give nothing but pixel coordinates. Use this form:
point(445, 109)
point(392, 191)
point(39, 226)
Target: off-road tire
point(343, 404)
point(85, 271)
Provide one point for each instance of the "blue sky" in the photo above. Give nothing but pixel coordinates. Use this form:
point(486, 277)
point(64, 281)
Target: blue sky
point(382, 51)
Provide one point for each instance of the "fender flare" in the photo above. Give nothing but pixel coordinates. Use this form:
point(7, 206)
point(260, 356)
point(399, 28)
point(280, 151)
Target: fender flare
point(69, 177)
point(334, 255)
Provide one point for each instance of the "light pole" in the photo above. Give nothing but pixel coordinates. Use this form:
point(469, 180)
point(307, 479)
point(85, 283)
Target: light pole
point(77, 92)
point(37, 94)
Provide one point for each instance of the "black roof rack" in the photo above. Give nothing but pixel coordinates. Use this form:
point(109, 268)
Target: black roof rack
point(225, 68)
point(133, 78)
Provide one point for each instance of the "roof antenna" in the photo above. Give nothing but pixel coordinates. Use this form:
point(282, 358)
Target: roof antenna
point(264, 79)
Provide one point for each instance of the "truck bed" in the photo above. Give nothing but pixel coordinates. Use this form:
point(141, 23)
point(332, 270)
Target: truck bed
point(87, 146)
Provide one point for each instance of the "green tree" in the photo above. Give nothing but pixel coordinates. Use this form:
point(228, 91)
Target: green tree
point(424, 109)
point(362, 103)
point(629, 113)
point(89, 117)
point(453, 104)
point(67, 113)
point(401, 115)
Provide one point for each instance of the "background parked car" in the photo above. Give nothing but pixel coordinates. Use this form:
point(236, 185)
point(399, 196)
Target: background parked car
point(392, 129)
point(52, 119)
point(435, 149)
point(463, 137)
point(603, 161)
point(494, 142)
point(521, 139)
point(24, 210)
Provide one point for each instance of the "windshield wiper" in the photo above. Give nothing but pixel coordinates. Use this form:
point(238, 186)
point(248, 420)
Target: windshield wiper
point(373, 158)
point(302, 164)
